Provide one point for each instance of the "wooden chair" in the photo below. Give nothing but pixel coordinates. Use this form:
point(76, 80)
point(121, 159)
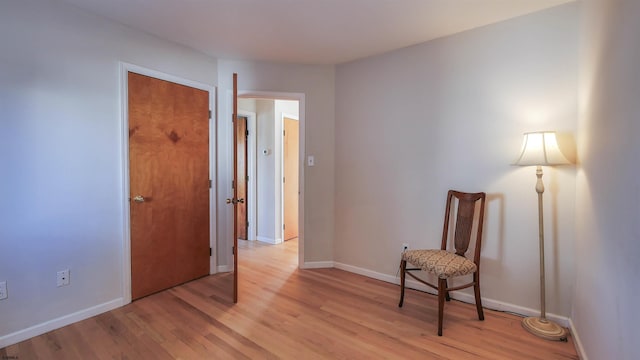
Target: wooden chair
point(445, 264)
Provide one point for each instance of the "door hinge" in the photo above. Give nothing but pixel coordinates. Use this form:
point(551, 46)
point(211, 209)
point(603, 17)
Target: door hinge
point(233, 184)
point(246, 133)
point(210, 251)
point(210, 184)
point(233, 250)
point(233, 117)
point(247, 178)
point(283, 226)
point(284, 133)
point(209, 114)
point(247, 224)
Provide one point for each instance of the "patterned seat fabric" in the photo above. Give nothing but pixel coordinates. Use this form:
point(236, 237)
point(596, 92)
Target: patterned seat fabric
point(440, 262)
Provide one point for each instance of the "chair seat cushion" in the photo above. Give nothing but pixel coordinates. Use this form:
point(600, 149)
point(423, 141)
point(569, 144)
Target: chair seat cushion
point(442, 263)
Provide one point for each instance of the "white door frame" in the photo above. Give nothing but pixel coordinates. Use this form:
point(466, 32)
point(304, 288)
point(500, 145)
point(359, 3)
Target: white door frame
point(125, 68)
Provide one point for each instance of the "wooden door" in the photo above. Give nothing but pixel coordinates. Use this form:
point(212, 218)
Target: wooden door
point(290, 144)
point(169, 183)
point(234, 200)
point(243, 180)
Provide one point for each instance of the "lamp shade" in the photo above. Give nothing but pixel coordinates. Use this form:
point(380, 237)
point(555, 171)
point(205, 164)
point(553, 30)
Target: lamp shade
point(540, 148)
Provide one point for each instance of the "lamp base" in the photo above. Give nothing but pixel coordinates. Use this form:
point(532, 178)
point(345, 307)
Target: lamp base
point(544, 328)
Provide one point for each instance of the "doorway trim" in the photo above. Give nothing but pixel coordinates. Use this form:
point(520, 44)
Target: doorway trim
point(125, 68)
point(275, 95)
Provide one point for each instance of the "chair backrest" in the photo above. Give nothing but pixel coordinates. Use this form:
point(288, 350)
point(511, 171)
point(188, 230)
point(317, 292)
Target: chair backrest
point(464, 222)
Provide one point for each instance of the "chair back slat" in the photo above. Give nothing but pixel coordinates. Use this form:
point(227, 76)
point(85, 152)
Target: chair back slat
point(464, 223)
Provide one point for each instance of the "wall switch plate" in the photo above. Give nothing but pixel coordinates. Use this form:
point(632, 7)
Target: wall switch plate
point(63, 278)
point(3, 290)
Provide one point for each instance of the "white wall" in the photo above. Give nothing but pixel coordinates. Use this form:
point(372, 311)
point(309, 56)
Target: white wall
point(607, 293)
point(247, 104)
point(449, 114)
point(288, 107)
point(61, 158)
point(266, 175)
point(317, 85)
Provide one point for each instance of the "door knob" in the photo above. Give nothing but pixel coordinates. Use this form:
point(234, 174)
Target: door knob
point(235, 201)
point(138, 199)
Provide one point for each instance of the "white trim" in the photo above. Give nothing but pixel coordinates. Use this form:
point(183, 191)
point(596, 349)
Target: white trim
point(213, 190)
point(577, 342)
point(269, 240)
point(225, 268)
point(126, 225)
point(270, 95)
point(59, 322)
point(467, 298)
point(252, 171)
point(125, 68)
point(317, 265)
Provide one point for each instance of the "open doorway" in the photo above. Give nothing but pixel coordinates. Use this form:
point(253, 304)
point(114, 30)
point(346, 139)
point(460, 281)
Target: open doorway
point(275, 160)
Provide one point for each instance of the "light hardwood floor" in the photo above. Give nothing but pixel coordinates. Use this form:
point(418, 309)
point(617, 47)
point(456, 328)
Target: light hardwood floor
point(288, 313)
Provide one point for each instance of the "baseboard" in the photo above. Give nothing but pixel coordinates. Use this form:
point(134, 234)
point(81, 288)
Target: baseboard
point(582, 355)
point(317, 265)
point(57, 323)
point(373, 274)
point(467, 298)
point(269, 240)
point(515, 309)
point(225, 268)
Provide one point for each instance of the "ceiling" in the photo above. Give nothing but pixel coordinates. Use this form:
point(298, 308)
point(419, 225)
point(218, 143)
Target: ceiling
point(306, 31)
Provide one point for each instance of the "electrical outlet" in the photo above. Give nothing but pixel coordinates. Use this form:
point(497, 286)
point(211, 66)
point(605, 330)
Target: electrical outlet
point(405, 247)
point(63, 277)
point(3, 290)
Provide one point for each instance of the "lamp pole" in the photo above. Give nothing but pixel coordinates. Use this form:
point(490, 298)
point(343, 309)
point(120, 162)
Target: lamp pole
point(540, 190)
point(540, 148)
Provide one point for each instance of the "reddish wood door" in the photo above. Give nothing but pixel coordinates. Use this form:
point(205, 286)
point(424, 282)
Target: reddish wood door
point(242, 180)
point(234, 201)
point(169, 183)
point(290, 161)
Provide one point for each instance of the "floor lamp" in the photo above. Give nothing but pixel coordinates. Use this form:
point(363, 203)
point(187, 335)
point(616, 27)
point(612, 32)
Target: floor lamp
point(541, 149)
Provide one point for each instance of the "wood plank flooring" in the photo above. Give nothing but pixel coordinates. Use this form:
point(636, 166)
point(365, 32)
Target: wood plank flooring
point(287, 313)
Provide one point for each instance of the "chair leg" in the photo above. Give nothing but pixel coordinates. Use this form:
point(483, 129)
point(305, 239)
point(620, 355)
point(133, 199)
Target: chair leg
point(442, 290)
point(476, 290)
point(403, 269)
point(446, 293)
